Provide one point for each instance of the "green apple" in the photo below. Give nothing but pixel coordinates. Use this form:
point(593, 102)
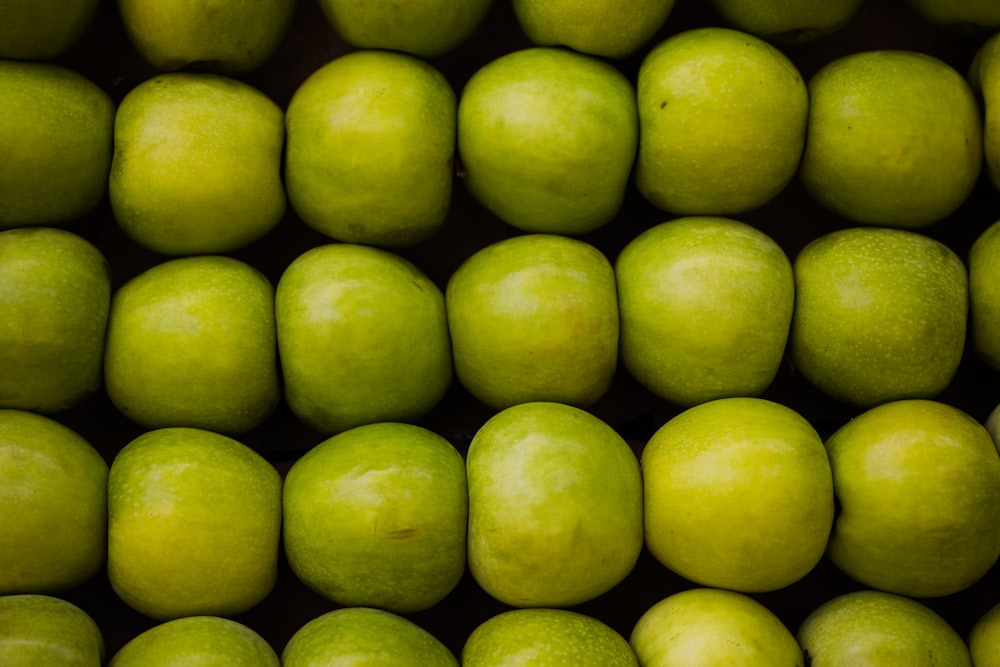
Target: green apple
point(709, 626)
point(362, 337)
point(880, 314)
point(894, 138)
point(376, 517)
point(557, 637)
point(53, 491)
point(197, 164)
point(787, 21)
point(206, 641)
point(54, 309)
point(918, 484)
point(984, 77)
point(363, 635)
point(555, 506)
point(371, 143)
point(547, 137)
point(706, 306)
point(984, 295)
point(194, 522)
point(225, 36)
point(607, 28)
point(192, 342)
point(56, 139)
point(43, 29)
point(869, 627)
point(534, 318)
point(984, 639)
point(425, 28)
point(974, 16)
point(43, 631)
point(722, 118)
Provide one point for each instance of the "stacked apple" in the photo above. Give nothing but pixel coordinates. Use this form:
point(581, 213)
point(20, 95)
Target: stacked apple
point(695, 365)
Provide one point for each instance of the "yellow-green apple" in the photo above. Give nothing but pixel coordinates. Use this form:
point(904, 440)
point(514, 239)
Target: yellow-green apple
point(376, 517)
point(547, 137)
point(984, 638)
point(197, 164)
point(371, 143)
point(56, 141)
point(555, 506)
point(787, 21)
point(45, 631)
point(206, 641)
point(984, 77)
point(880, 314)
point(192, 342)
point(972, 16)
point(43, 29)
point(194, 522)
point(534, 318)
point(984, 295)
point(918, 485)
point(54, 309)
point(705, 305)
point(894, 138)
point(722, 118)
point(362, 337)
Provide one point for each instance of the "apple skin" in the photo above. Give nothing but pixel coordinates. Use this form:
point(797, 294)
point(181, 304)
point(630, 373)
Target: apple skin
point(984, 639)
point(207, 641)
point(192, 342)
point(787, 21)
point(870, 627)
point(376, 517)
point(880, 314)
point(43, 29)
point(197, 164)
point(373, 637)
point(918, 483)
point(534, 318)
point(546, 138)
point(973, 16)
point(56, 138)
point(706, 306)
point(555, 506)
point(42, 631)
point(194, 522)
point(362, 338)
point(370, 153)
point(984, 295)
point(984, 77)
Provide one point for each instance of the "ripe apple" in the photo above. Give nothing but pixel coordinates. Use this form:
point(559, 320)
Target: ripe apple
point(869, 627)
point(555, 506)
point(709, 626)
point(534, 318)
point(787, 21)
point(53, 317)
point(984, 77)
point(984, 639)
point(376, 516)
point(705, 306)
point(43, 630)
point(197, 164)
point(56, 141)
point(969, 15)
point(547, 137)
point(918, 483)
point(722, 117)
point(984, 295)
point(362, 337)
point(880, 314)
point(193, 524)
point(894, 138)
point(192, 342)
point(43, 29)
point(371, 143)
point(353, 635)
point(206, 641)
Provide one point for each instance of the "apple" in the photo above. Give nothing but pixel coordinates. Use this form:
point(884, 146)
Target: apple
point(984, 77)
point(362, 337)
point(709, 626)
point(43, 29)
point(56, 139)
point(525, 637)
point(371, 143)
point(192, 342)
point(918, 484)
point(534, 318)
point(197, 164)
point(722, 118)
point(376, 517)
point(54, 310)
point(546, 138)
point(984, 295)
point(894, 138)
point(973, 16)
point(43, 630)
point(880, 314)
point(555, 506)
point(194, 522)
point(706, 306)
point(984, 638)
point(206, 641)
point(373, 637)
point(869, 627)
point(787, 21)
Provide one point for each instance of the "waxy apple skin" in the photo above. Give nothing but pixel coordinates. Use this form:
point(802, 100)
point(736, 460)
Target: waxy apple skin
point(43, 29)
point(208, 641)
point(42, 631)
point(984, 638)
